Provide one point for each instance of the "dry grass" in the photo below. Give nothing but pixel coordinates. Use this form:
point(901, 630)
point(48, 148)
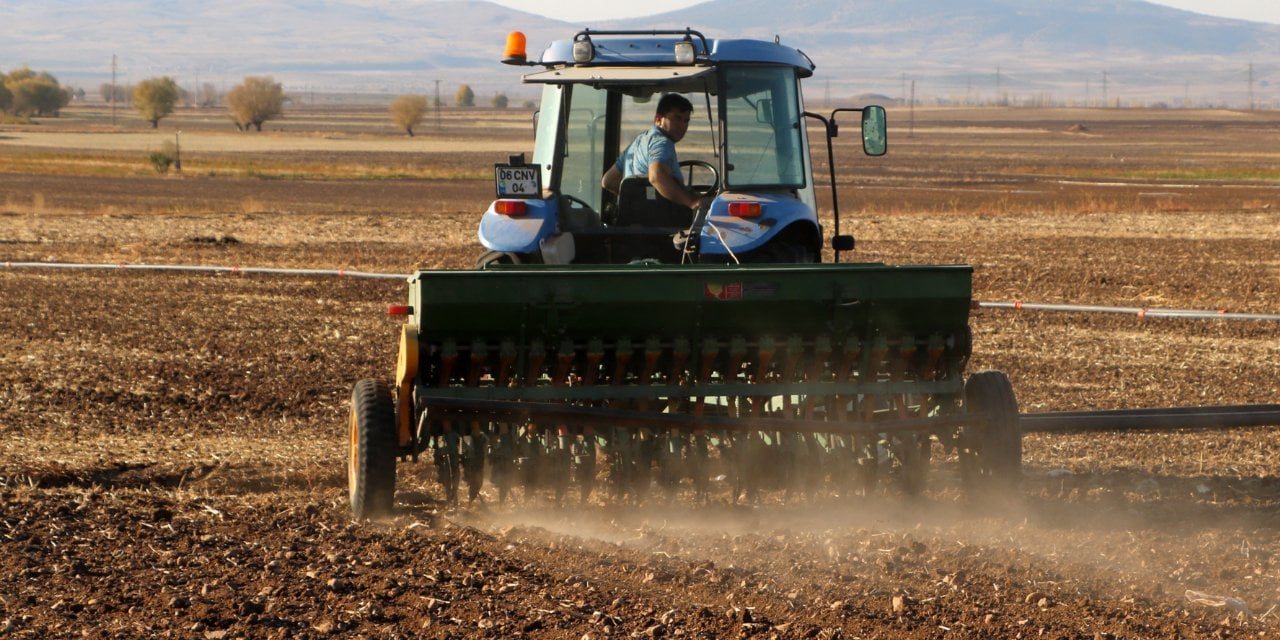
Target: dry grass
point(233, 142)
point(119, 165)
point(359, 145)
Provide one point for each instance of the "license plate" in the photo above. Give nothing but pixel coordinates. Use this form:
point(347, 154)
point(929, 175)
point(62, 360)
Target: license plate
point(523, 181)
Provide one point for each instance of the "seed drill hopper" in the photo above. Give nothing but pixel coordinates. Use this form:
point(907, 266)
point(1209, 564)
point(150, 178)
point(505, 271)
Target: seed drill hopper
point(623, 340)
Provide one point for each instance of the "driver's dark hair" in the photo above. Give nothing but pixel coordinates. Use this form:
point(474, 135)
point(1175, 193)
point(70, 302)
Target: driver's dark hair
point(673, 102)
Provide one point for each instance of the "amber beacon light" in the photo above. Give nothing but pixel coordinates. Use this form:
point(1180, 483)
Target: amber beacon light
point(515, 49)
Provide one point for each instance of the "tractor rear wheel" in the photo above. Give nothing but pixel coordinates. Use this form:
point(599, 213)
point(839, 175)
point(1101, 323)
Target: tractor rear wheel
point(991, 455)
point(505, 257)
point(371, 461)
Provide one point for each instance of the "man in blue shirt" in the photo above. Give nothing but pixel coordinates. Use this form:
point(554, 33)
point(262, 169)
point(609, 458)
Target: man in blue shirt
point(653, 155)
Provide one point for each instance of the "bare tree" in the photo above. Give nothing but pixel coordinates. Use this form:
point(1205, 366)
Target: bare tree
point(207, 95)
point(408, 111)
point(123, 92)
point(155, 98)
point(256, 100)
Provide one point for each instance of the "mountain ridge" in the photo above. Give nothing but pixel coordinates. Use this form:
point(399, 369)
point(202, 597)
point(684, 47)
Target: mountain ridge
point(977, 50)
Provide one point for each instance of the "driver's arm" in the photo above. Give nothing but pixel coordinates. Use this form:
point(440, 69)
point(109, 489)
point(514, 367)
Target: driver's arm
point(612, 180)
point(671, 189)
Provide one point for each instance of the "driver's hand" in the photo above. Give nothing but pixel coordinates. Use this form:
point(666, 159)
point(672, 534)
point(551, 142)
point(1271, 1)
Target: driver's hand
point(704, 202)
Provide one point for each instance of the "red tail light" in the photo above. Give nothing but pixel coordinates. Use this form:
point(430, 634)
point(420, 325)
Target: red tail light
point(745, 209)
point(399, 309)
point(511, 207)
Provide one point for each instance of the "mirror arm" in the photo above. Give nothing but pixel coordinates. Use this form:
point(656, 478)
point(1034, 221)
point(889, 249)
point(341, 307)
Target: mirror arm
point(832, 130)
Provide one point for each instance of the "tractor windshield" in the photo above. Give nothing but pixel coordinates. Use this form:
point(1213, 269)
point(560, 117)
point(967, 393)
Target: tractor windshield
point(762, 137)
point(763, 126)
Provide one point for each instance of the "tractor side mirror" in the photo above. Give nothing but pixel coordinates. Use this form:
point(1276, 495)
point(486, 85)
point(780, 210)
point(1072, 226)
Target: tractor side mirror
point(875, 131)
point(842, 243)
point(764, 111)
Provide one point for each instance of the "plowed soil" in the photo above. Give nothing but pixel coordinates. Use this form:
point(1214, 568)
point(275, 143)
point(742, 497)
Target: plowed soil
point(172, 445)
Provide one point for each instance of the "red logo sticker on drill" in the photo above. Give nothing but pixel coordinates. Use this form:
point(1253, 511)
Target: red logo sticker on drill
point(730, 291)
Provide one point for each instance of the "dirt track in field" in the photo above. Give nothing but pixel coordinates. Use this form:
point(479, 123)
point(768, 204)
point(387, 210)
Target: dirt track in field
point(173, 446)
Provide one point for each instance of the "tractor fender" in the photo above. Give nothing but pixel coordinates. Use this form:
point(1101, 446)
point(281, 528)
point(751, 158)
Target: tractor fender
point(781, 215)
point(406, 371)
point(519, 234)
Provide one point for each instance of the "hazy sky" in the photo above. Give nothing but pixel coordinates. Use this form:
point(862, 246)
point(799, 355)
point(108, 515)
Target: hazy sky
point(584, 11)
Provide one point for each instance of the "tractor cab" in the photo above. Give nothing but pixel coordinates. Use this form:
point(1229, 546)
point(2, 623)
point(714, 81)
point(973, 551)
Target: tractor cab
point(746, 146)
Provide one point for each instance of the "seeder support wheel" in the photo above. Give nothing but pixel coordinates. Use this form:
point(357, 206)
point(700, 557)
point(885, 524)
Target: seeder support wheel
point(991, 452)
point(371, 460)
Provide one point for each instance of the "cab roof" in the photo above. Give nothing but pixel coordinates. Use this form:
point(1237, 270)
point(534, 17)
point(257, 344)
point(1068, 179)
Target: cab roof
point(656, 49)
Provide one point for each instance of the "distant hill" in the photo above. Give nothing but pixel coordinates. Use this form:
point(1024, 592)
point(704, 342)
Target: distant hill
point(1021, 49)
point(979, 50)
point(394, 46)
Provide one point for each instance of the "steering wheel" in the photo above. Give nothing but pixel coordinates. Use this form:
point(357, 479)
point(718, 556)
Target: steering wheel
point(576, 200)
point(702, 189)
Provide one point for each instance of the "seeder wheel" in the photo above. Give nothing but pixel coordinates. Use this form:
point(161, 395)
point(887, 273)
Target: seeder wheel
point(991, 451)
point(371, 461)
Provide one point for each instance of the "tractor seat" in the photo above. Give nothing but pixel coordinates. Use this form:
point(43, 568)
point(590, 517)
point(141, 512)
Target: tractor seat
point(640, 205)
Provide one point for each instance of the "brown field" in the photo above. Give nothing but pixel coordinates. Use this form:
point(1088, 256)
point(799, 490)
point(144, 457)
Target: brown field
point(173, 446)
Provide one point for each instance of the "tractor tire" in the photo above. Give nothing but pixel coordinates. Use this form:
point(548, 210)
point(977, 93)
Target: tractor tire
point(991, 454)
point(371, 459)
point(781, 251)
point(506, 257)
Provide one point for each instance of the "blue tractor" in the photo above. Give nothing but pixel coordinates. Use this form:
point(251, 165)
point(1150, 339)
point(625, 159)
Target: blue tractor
point(747, 146)
point(672, 344)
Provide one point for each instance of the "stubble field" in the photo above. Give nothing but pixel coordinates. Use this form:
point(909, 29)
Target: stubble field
point(172, 446)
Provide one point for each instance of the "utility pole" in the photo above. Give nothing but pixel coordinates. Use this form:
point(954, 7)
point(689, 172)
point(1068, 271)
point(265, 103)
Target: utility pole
point(1104, 90)
point(911, 132)
point(437, 105)
point(999, 89)
point(113, 89)
point(1251, 85)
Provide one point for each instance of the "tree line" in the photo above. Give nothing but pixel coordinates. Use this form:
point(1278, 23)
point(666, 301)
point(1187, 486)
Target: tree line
point(258, 99)
point(408, 111)
point(25, 93)
point(249, 104)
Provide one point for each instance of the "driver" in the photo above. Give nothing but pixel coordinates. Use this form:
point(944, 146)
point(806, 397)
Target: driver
point(653, 155)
